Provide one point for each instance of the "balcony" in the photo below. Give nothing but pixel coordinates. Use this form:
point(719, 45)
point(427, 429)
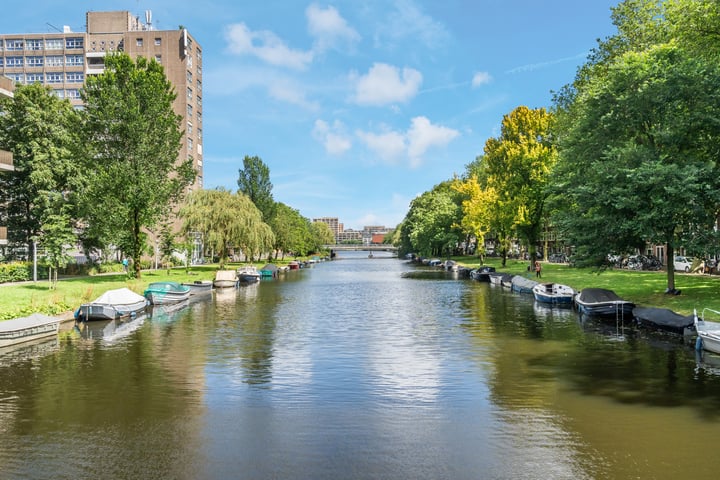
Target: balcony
point(6, 161)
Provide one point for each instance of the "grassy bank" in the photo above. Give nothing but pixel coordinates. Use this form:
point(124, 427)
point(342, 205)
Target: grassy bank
point(18, 300)
point(643, 288)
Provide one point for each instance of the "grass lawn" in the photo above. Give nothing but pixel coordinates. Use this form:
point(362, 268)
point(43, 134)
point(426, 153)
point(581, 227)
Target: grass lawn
point(22, 299)
point(643, 288)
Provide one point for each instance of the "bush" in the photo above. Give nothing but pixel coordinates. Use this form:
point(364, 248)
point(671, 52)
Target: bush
point(21, 272)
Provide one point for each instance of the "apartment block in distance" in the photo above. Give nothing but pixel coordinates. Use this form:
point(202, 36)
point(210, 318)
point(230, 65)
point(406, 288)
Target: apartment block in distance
point(63, 60)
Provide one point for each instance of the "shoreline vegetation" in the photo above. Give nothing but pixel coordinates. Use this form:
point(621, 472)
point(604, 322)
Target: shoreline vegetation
point(644, 288)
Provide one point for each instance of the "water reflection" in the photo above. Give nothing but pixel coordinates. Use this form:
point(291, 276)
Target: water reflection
point(354, 370)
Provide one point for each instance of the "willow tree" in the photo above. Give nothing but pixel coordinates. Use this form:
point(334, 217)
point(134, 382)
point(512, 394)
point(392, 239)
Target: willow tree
point(226, 221)
point(129, 139)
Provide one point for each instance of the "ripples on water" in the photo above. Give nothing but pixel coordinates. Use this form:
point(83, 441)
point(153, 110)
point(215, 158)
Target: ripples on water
point(358, 368)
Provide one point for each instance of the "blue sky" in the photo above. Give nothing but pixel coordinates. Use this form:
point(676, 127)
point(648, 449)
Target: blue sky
point(358, 106)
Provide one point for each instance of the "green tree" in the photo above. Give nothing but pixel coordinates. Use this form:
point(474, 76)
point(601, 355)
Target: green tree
point(129, 139)
point(35, 126)
point(226, 220)
point(322, 235)
point(289, 228)
point(57, 234)
point(638, 154)
point(518, 165)
point(432, 225)
point(254, 181)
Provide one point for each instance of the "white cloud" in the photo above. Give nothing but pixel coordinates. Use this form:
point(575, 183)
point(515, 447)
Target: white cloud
point(389, 146)
point(424, 135)
point(288, 92)
point(408, 21)
point(421, 136)
point(266, 46)
point(328, 27)
point(384, 85)
point(481, 78)
point(333, 138)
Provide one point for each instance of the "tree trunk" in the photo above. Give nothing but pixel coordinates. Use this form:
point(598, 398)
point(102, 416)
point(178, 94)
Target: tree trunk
point(670, 267)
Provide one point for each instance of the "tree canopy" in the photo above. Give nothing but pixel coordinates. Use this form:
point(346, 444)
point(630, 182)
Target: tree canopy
point(638, 143)
point(254, 181)
point(128, 139)
point(226, 221)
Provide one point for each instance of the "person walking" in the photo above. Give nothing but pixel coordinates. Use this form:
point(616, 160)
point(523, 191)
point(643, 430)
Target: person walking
point(538, 268)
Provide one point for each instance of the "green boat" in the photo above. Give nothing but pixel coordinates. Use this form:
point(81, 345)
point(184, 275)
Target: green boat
point(163, 293)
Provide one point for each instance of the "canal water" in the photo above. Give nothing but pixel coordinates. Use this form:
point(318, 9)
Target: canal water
point(360, 368)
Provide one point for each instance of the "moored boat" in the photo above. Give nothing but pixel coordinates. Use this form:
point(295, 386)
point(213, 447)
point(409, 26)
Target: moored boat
point(663, 319)
point(248, 274)
point(162, 293)
point(482, 274)
point(199, 286)
point(113, 304)
point(603, 303)
point(554, 293)
point(25, 329)
point(708, 332)
point(225, 279)
point(521, 284)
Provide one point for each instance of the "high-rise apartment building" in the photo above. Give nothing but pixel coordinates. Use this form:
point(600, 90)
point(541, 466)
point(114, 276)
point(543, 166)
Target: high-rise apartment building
point(63, 60)
point(6, 158)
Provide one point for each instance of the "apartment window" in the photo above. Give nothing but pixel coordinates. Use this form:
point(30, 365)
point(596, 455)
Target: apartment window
point(34, 77)
point(13, 61)
point(190, 144)
point(139, 42)
point(158, 58)
point(189, 93)
point(199, 100)
point(200, 181)
point(74, 60)
point(199, 85)
point(189, 128)
point(199, 134)
point(189, 60)
point(34, 61)
point(189, 110)
point(34, 44)
point(73, 42)
point(73, 93)
point(16, 77)
point(12, 45)
point(60, 93)
point(199, 56)
point(54, 61)
point(2, 61)
point(54, 77)
point(2, 45)
point(189, 76)
point(53, 44)
point(74, 77)
point(158, 41)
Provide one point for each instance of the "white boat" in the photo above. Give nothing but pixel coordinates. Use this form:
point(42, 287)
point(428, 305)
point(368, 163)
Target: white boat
point(25, 329)
point(554, 293)
point(113, 304)
point(708, 332)
point(225, 279)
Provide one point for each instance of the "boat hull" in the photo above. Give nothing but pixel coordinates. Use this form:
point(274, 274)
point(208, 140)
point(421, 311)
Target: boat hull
point(603, 303)
point(199, 287)
point(554, 294)
point(22, 330)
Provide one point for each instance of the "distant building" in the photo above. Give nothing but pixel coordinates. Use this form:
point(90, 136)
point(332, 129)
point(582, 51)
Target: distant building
point(335, 226)
point(63, 60)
